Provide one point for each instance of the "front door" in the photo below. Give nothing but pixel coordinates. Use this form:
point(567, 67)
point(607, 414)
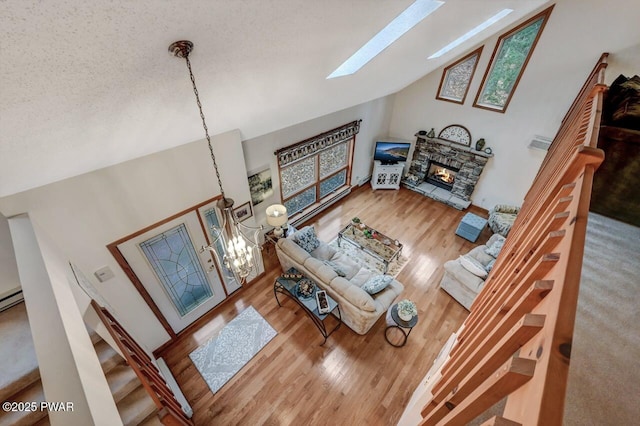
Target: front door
point(180, 278)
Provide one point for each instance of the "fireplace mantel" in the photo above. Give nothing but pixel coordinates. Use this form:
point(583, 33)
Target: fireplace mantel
point(469, 162)
point(455, 146)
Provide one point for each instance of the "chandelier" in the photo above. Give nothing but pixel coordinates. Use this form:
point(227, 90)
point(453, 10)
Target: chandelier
point(237, 248)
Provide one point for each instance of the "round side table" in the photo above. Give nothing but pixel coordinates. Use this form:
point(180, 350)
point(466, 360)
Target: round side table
point(394, 322)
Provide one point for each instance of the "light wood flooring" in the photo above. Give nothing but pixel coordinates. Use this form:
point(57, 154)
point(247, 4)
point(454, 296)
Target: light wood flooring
point(352, 379)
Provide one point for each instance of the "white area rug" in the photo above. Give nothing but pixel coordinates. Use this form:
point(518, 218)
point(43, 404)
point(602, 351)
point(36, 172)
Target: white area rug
point(222, 356)
point(368, 261)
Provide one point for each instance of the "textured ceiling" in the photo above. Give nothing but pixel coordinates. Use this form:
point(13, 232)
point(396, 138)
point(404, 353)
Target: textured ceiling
point(87, 84)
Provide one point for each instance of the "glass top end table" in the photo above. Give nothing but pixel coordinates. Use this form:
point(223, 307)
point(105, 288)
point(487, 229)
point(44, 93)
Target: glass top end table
point(287, 286)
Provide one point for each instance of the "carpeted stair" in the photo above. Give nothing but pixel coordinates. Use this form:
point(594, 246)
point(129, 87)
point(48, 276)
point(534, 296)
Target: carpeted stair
point(20, 378)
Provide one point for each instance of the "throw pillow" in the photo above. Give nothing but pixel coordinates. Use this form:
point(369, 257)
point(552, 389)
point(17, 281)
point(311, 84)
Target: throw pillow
point(494, 249)
point(489, 266)
point(306, 238)
point(336, 268)
point(473, 266)
point(377, 283)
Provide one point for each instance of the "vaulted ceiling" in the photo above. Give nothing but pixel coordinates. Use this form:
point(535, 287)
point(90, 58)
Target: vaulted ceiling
point(87, 84)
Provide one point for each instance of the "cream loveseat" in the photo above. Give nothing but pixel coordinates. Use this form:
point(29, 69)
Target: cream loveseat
point(359, 309)
point(458, 280)
point(502, 217)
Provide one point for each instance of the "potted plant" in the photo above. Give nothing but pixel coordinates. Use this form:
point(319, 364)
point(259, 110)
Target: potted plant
point(407, 310)
point(355, 221)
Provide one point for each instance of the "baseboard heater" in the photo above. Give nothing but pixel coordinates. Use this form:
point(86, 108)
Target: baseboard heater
point(306, 215)
point(11, 299)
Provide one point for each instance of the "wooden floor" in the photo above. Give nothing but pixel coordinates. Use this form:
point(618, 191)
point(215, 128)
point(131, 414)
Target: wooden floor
point(352, 379)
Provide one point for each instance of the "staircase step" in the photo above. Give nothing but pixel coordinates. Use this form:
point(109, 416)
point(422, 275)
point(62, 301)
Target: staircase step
point(136, 407)
point(95, 337)
point(32, 393)
point(108, 357)
point(19, 366)
point(23, 384)
point(122, 381)
point(152, 420)
point(43, 422)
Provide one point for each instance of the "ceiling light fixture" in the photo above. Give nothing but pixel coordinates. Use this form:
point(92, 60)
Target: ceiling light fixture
point(486, 24)
point(238, 255)
point(411, 16)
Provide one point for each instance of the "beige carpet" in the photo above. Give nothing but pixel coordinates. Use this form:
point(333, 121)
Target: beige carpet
point(19, 364)
point(604, 376)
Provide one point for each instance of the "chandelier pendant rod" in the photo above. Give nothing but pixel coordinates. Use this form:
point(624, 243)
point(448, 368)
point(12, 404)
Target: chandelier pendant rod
point(204, 124)
point(237, 248)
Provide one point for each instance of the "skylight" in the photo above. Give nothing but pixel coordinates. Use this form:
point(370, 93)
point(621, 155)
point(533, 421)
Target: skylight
point(486, 24)
point(411, 16)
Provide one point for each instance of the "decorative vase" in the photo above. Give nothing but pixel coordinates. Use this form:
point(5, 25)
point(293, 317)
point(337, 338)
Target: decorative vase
point(405, 317)
point(431, 134)
point(480, 144)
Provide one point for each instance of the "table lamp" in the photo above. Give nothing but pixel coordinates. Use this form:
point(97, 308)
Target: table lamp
point(276, 217)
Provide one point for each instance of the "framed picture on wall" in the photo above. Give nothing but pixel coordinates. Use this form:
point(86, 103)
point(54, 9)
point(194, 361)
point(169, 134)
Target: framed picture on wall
point(243, 212)
point(260, 186)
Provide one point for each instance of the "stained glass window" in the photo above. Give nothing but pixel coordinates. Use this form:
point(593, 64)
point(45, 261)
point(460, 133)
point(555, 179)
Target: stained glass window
point(456, 78)
point(300, 201)
point(333, 159)
point(510, 58)
point(329, 185)
point(313, 169)
point(176, 264)
point(298, 175)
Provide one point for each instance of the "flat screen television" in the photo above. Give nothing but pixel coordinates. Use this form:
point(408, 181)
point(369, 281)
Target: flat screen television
point(391, 152)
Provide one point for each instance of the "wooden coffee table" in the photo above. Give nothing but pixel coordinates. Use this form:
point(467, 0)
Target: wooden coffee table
point(379, 246)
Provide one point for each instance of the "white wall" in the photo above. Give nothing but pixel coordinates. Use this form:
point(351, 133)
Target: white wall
point(85, 213)
point(9, 280)
point(625, 62)
point(375, 116)
point(577, 33)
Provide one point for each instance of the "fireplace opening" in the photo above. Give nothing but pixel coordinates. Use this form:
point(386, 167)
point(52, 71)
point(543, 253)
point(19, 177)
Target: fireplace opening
point(441, 175)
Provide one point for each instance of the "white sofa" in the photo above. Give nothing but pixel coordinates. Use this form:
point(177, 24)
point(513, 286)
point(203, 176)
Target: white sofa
point(359, 309)
point(463, 285)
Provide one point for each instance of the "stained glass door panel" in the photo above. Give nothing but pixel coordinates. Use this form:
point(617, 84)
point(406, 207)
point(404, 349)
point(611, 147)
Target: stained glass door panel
point(182, 281)
point(175, 262)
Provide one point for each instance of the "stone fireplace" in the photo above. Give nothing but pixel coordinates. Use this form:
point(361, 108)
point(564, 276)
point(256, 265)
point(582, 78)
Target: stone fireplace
point(441, 175)
point(445, 171)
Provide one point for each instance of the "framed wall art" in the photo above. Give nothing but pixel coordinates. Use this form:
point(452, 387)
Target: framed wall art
point(243, 212)
point(260, 186)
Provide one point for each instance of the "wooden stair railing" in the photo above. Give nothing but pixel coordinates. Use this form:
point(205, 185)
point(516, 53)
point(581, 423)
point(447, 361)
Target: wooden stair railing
point(169, 410)
point(516, 343)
